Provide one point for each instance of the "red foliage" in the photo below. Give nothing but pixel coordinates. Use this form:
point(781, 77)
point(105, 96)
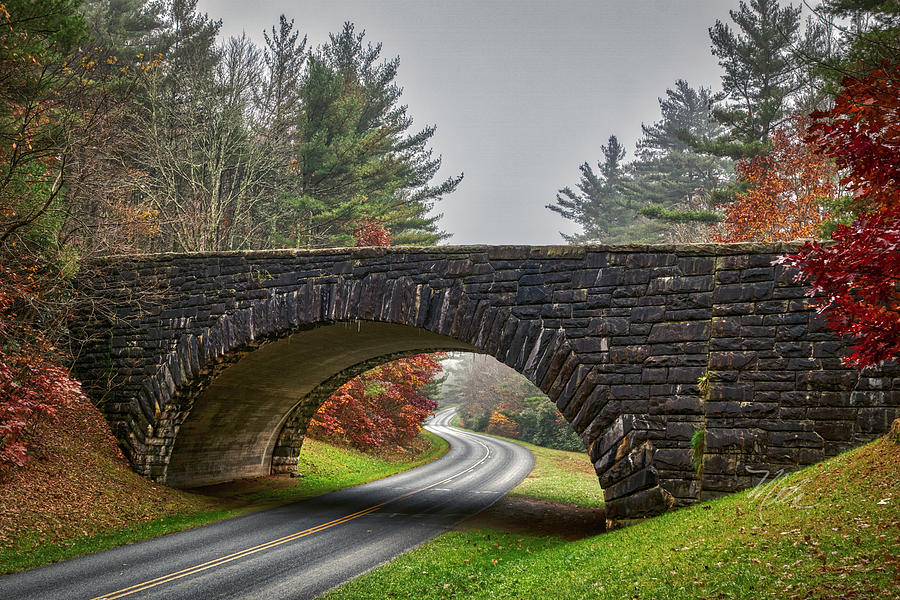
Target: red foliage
point(859, 276)
point(372, 233)
point(862, 134)
point(32, 387)
point(382, 407)
point(787, 189)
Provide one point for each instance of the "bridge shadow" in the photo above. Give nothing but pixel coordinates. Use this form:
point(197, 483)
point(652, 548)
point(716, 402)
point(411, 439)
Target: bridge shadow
point(541, 518)
point(516, 515)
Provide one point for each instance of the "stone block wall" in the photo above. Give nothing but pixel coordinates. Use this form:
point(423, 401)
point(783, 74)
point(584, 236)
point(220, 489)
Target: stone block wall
point(640, 347)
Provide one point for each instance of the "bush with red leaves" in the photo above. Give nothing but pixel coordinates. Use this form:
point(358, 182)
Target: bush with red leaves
point(32, 386)
point(372, 233)
point(381, 408)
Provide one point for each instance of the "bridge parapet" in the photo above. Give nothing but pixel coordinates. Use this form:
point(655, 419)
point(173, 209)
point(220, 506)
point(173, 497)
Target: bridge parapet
point(209, 365)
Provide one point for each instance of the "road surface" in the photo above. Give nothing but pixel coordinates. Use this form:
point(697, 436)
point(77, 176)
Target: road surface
point(299, 550)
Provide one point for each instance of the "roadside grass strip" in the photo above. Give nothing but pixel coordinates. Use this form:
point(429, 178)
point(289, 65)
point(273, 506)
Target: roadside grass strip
point(557, 476)
point(828, 531)
point(560, 476)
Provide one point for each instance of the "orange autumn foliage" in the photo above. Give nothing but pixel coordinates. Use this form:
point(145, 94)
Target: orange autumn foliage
point(788, 188)
point(502, 425)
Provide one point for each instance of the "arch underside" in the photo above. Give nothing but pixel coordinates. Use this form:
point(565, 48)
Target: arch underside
point(264, 401)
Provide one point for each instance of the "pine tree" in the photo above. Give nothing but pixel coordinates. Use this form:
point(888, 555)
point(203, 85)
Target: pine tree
point(871, 37)
point(816, 49)
point(672, 180)
point(357, 158)
point(126, 28)
point(276, 109)
point(599, 206)
point(685, 111)
point(760, 73)
point(763, 82)
point(279, 96)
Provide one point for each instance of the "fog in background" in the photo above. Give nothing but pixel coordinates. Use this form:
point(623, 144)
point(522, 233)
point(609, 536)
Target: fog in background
point(521, 92)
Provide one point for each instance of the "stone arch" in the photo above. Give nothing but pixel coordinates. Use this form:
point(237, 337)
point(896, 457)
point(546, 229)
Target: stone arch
point(617, 337)
point(179, 433)
point(263, 401)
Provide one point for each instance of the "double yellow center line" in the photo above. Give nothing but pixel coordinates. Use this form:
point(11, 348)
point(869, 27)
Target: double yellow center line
point(146, 585)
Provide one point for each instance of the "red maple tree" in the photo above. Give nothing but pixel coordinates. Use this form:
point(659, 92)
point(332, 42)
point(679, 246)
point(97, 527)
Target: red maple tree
point(858, 277)
point(382, 407)
point(862, 134)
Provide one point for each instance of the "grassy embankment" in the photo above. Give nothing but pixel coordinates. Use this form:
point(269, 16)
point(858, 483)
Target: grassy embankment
point(560, 476)
point(828, 531)
point(77, 494)
point(557, 476)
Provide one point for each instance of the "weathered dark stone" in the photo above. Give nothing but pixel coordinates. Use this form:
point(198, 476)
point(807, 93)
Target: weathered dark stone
point(679, 332)
point(795, 439)
point(219, 359)
point(646, 503)
point(531, 295)
point(742, 292)
point(735, 438)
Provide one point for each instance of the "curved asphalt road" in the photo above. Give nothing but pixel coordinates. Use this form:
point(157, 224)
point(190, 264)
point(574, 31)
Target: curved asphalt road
point(300, 550)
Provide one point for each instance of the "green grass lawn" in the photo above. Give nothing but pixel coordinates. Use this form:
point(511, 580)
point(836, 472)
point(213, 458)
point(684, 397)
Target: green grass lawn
point(325, 468)
point(558, 476)
point(828, 531)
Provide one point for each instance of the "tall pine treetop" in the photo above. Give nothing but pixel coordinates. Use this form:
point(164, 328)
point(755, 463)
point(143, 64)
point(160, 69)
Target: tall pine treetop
point(685, 112)
point(759, 67)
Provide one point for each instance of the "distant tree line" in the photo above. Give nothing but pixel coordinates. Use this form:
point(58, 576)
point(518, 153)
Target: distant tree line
point(493, 398)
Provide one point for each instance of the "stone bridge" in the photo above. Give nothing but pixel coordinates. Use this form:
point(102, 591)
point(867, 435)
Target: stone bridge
point(209, 366)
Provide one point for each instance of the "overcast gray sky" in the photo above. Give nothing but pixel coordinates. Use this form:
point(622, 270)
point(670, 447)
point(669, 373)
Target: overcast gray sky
point(522, 92)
